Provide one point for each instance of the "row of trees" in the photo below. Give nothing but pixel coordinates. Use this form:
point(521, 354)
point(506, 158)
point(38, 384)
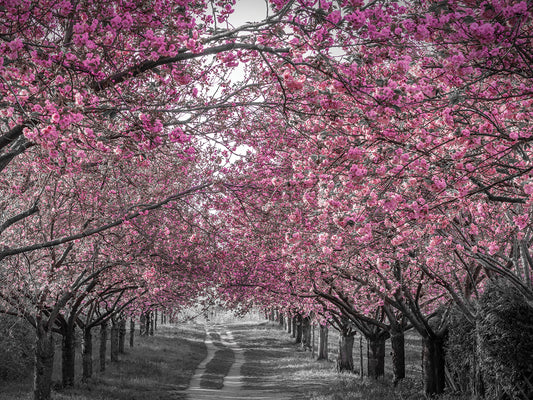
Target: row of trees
point(371, 164)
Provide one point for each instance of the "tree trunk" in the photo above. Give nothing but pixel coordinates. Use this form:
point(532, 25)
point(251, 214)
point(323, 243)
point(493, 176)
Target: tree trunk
point(345, 358)
point(114, 341)
point(289, 323)
point(294, 323)
point(142, 324)
point(121, 335)
point(306, 333)
point(151, 324)
point(361, 362)
point(433, 365)
point(68, 356)
point(155, 320)
point(103, 345)
point(132, 331)
point(323, 343)
point(376, 356)
point(299, 329)
point(87, 354)
point(44, 363)
point(478, 385)
point(398, 354)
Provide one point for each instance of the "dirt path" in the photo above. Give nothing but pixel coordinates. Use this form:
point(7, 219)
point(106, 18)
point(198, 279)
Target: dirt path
point(221, 339)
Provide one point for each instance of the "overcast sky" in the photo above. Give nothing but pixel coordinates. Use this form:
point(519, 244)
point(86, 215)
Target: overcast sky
point(248, 11)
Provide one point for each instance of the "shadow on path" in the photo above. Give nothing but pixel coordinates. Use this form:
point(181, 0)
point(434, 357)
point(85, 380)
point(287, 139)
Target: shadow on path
point(219, 375)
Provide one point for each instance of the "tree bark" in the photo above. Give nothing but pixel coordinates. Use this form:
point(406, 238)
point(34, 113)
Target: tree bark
point(323, 343)
point(306, 333)
point(433, 365)
point(398, 354)
point(114, 341)
point(132, 331)
point(44, 362)
point(103, 346)
point(155, 320)
point(298, 329)
point(121, 335)
point(376, 356)
point(68, 355)
point(142, 324)
point(289, 324)
point(87, 354)
point(294, 323)
point(151, 324)
point(345, 358)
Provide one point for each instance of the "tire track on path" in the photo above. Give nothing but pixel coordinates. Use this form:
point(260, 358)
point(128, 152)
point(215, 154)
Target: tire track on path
point(233, 381)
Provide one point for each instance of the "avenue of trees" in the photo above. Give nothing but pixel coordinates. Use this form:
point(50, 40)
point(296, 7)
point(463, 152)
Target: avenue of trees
point(366, 164)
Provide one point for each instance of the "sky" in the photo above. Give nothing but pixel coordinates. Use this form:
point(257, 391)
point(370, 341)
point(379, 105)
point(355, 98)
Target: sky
point(248, 11)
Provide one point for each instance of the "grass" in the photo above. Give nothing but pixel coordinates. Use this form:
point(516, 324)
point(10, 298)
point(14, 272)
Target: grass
point(157, 367)
point(274, 363)
point(161, 367)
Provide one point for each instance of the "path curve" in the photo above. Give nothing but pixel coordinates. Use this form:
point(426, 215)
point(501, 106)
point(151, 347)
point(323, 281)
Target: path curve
point(194, 385)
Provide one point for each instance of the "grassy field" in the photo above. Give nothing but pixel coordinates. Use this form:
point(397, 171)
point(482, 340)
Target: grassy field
point(156, 368)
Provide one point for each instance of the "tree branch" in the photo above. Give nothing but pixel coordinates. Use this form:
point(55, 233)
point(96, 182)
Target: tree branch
point(67, 239)
point(19, 217)
point(183, 54)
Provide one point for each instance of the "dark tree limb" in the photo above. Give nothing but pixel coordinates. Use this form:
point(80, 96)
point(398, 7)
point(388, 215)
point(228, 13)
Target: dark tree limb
point(182, 55)
point(19, 217)
point(67, 239)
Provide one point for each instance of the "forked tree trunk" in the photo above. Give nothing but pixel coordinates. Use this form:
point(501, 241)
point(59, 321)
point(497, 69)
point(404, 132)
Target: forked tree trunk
point(398, 354)
point(433, 365)
point(299, 330)
point(103, 346)
point(87, 354)
point(323, 343)
point(114, 341)
point(306, 333)
point(132, 331)
point(345, 358)
point(44, 363)
point(376, 356)
point(68, 355)
point(121, 335)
